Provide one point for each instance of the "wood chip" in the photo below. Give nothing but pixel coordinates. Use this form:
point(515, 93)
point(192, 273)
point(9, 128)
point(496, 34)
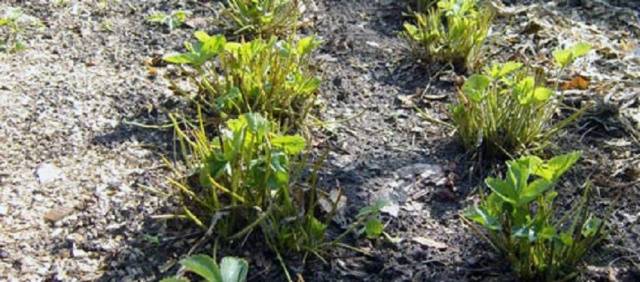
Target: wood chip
point(57, 214)
point(429, 242)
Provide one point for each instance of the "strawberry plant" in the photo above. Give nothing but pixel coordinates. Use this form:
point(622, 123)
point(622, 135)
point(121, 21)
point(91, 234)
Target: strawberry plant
point(506, 109)
point(271, 77)
point(13, 24)
point(230, 269)
point(453, 31)
point(251, 178)
point(262, 17)
point(521, 222)
point(172, 21)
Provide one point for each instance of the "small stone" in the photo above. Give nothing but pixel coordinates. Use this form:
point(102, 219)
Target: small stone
point(57, 214)
point(3, 210)
point(78, 253)
point(391, 209)
point(47, 173)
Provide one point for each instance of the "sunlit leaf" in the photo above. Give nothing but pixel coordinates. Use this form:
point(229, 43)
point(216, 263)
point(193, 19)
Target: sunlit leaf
point(580, 49)
point(234, 269)
point(373, 228)
point(542, 94)
point(306, 45)
point(562, 57)
point(291, 144)
point(475, 86)
point(204, 266)
point(483, 218)
point(503, 189)
point(534, 190)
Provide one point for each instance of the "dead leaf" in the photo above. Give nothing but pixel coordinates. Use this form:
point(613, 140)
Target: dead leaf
point(578, 82)
point(328, 202)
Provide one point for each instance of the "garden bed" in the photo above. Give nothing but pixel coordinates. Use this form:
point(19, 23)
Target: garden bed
point(82, 111)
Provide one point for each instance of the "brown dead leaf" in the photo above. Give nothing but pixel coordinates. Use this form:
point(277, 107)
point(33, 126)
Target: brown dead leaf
point(577, 82)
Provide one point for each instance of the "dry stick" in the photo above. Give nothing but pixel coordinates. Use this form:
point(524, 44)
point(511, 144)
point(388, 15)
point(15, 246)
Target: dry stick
point(197, 245)
point(426, 116)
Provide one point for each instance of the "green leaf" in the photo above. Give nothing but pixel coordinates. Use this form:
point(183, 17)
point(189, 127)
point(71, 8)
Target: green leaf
point(411, 30)
point(566, 56)
point(542, 94)
point(204, 266)
point(580, 50)
point(306, 45)
point(482, 217)
point(373, 208)
point(524, 90)
point(257, 124)
point(373, 228)
point(534, 190)
point(566, 238)
point(591, 227)
point(525, 232)
point(316, 228)
point(178, 58)
point(503, 189)
point(548, 233)
point(210, 45)
point(475, 86)
point(562, 57)
point(509, 67)
point(291, 144)
point(234, 269)
point(557, 166)
point(500, 70)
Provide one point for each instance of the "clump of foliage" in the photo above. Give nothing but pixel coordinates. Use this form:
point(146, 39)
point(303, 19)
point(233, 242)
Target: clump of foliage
point(453, 31)
point(262, 17)
point(508, 108)
point(271, 77)
point(173, 20)
point(13, 24)
point(250, 177)
point(230, 269)
point(521, 222)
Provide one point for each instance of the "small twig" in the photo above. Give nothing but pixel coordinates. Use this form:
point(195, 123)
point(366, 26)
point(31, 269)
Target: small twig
point(148, 126)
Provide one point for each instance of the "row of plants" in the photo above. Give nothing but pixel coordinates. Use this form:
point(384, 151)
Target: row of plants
point(249, 170)
point(506, 110)
point(249, 18)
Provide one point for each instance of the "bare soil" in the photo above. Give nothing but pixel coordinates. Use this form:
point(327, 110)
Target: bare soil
point(82, 182)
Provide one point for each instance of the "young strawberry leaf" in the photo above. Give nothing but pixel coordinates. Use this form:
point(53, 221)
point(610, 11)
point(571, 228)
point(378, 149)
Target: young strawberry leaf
point(373, 228)
point(204, 266)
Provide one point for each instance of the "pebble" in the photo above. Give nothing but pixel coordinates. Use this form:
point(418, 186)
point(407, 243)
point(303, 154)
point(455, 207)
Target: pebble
point(57, 214)
point(47, 173)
